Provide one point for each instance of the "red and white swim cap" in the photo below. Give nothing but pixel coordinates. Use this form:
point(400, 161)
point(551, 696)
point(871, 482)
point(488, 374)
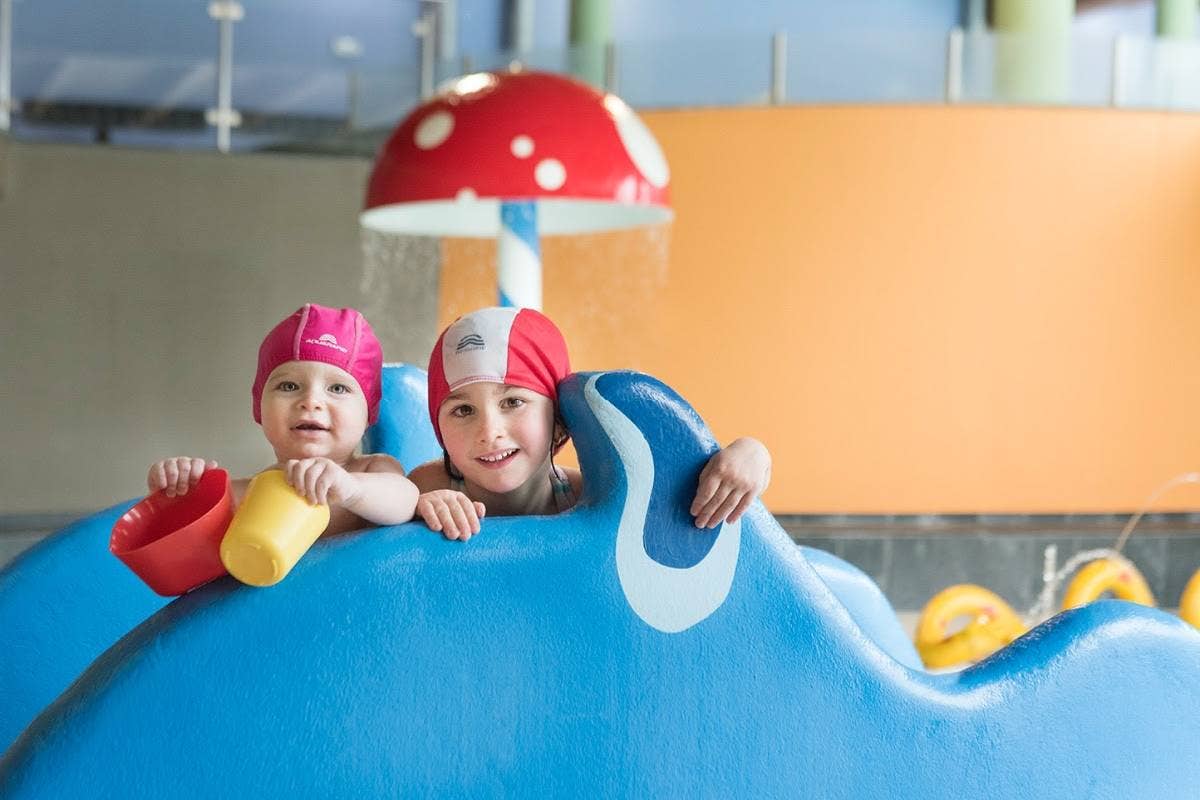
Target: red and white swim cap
point(338, 336)
point(517, 346)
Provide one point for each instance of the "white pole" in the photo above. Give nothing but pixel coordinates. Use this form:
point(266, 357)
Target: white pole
point(610, 67)
point(223, 117)
point(779, 68)
point(447, 32)
point(954, 65)
point(1116, 92)
point(6, 103)
point(520, 26)
point(425, 31)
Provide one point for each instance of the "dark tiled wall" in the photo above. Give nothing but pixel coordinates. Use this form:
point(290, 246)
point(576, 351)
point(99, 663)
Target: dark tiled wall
point(913, 558)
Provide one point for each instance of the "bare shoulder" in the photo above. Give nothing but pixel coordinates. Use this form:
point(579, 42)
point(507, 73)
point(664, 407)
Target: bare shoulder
point(376, 462)
point(575, 478)
point(430, 476)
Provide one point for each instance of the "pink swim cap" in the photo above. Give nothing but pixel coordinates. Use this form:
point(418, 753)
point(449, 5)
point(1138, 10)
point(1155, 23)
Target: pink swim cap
point(517, 346)
point(338, 336)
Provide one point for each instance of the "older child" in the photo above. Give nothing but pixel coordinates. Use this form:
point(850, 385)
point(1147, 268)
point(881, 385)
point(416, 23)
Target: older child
point(493, 401)
point(316, 389)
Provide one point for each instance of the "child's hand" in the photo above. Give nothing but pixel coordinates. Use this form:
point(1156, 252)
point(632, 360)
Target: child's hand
point(453, 513)
point(321, 481)
point(730, 481)
point(176, 475)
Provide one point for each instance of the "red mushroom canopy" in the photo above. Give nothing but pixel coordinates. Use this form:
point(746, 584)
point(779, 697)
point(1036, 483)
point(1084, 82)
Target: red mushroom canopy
point(583, 155)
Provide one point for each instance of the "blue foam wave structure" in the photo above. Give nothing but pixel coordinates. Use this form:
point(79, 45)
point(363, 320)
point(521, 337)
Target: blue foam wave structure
point(608, 651)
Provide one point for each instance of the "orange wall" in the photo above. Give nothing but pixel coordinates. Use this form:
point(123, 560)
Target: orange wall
point(919, 310)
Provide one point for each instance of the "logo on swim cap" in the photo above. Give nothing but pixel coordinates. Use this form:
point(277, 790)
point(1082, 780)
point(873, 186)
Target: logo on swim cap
point(327, 340)
point(472, 341)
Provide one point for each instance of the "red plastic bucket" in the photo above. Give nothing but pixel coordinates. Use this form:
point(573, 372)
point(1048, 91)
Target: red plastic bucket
point(174, 543)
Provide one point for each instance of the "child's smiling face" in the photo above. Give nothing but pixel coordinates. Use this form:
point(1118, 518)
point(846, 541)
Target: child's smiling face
point(311, 409)
point(498, 435)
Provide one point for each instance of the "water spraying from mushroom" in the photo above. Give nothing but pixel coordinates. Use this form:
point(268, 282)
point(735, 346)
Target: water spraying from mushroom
point(400, 274)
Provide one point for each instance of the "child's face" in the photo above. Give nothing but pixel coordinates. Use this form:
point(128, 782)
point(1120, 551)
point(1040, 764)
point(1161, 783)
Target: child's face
point(311, 409)
point(499, 436)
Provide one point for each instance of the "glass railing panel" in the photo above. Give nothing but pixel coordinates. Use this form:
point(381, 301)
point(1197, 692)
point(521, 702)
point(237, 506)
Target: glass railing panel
point(163, 102)
point(592, 64)
point(560, 60)
point(134, 100)
point(381, 97)
point(1158, 73)
point(1091, 70)
point(291, 90)
point(155, 100)
point(867, 67)
point(62, 77)
point(1083, 70)
point(702, 72)
point(321, 73)
point(281, 103)
point(699, 72)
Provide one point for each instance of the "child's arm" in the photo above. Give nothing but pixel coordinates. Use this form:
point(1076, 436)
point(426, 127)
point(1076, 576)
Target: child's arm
point(445, 510)
point(379, 493)
point(176, 475)
point(730, 482)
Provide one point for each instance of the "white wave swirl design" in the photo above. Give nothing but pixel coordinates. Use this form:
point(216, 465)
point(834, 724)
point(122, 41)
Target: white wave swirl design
point(670, 599)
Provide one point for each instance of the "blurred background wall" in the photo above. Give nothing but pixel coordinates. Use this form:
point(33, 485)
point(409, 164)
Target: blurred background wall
point(920, 310)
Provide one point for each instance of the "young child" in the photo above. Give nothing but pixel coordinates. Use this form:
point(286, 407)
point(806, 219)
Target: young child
point(316, 390)
point(493, 400)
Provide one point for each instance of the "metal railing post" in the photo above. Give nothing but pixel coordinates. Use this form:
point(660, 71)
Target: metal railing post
point(425, 29)
point(347, 49)
point(610, 67)
point(954, 65)
point(1116, 89)
point(779, 68)
point(6, 103)
point(521, 18)
point(224, 118)
point(447, 30)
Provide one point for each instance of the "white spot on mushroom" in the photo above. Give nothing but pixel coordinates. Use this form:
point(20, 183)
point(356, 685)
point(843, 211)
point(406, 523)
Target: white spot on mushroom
point(522, 146)
point(433, 130)
point(466, 195)
point(639, 143)
point(550, 174)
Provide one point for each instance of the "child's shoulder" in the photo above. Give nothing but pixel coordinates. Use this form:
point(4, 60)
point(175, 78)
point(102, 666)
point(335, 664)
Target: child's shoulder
point(574, 479)
point(430, 476)
point(375, 462)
